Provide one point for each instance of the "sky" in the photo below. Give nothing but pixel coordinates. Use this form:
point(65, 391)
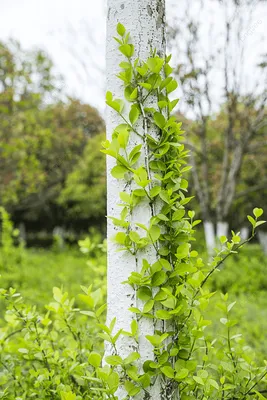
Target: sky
point(73, 34)
point(58, 26)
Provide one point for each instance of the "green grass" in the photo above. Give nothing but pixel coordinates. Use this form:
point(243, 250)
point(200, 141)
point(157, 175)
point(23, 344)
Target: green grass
point(37, 271)
point(34, 272)
point(244, 278)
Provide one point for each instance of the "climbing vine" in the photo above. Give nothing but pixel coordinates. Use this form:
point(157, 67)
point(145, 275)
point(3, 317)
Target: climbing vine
point(173, 289)
point(57, 355)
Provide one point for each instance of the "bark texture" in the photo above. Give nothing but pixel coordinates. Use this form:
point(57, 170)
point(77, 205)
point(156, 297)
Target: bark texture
point(145, 20)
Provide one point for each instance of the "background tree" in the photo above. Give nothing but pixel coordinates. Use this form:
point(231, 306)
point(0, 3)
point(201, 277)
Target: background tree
point(242, 106)
point(42, 138)
point(84, 191)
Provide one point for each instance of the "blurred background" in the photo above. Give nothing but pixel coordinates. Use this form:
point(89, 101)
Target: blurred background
point(52, 174)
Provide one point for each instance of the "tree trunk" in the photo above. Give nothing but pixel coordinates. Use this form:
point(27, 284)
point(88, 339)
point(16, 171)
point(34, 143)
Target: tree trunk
point(244, 233)
point(210, 238)
point(145, 20)
point(263, 240)
point(222, 229)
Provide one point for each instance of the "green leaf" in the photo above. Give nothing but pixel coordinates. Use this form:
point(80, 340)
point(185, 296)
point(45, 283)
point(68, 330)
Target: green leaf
point(223, 239)
point(162, 104)
point(94, 359)
point(135, 310)
point(139, 193)
point(162, 217)
point(161, 263)
point(167, 69)
point(121, 29)
point(165, 82)
point(134, 114)
point(260, 396)
point(167, 371)
point(132, 372)
point(259, 223)
point(213, 383)
point(131, 389)
point(100, 310)
point(154, 233)
point(113, 381)
point(158, 278)
point(155, 191)
point(134, 327)
point(127, 50)
point(126, 197)
point(155, 340)
point(172, 104)
point(134, 94)
point(183, 250)
point(148, 306)
point(172, 86)
point(67, 396)
point(163, 314)
point(161, 295)
point(159, 120)
point(155, 64)
point(170, 302)
point(120, 238)
point(123, 138)
point(251, 220)
point(134, 236)
point(147, 86)
point(119, 171)
point(199, 380)
point(109, 96)
point(181, 374)
point(144, 293)
point(258, 212)
point(229, 308)
point(125, 65)
point(114, 360)
point(191, 214)
point(131, 358)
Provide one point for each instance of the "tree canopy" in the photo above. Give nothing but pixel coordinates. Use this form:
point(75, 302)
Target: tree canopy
point(42, 137)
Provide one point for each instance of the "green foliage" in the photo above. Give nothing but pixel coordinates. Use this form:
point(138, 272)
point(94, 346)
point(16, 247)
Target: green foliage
point(7, 237)
point(84, 193)
point(41, 269)
point(50, 265)
point(250, 188)
point(59, 354)
point(189, 363)
point(250, 273)
point(49, 356)
point(40, 141)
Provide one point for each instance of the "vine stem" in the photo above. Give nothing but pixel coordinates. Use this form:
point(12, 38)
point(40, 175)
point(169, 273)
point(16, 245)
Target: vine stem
point(255, 384)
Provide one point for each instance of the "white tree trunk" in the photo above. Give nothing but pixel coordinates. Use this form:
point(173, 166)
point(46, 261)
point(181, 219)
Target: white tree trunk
point(244, 233)
point(222, 229)
point(210, 238)
point(263, 240)
point(145, 20)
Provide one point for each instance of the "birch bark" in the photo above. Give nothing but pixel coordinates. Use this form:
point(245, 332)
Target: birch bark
point(145, 20)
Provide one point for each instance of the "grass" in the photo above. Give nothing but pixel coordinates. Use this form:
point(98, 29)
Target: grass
point(37, 271)
point(34, 272)
point(244, 278)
